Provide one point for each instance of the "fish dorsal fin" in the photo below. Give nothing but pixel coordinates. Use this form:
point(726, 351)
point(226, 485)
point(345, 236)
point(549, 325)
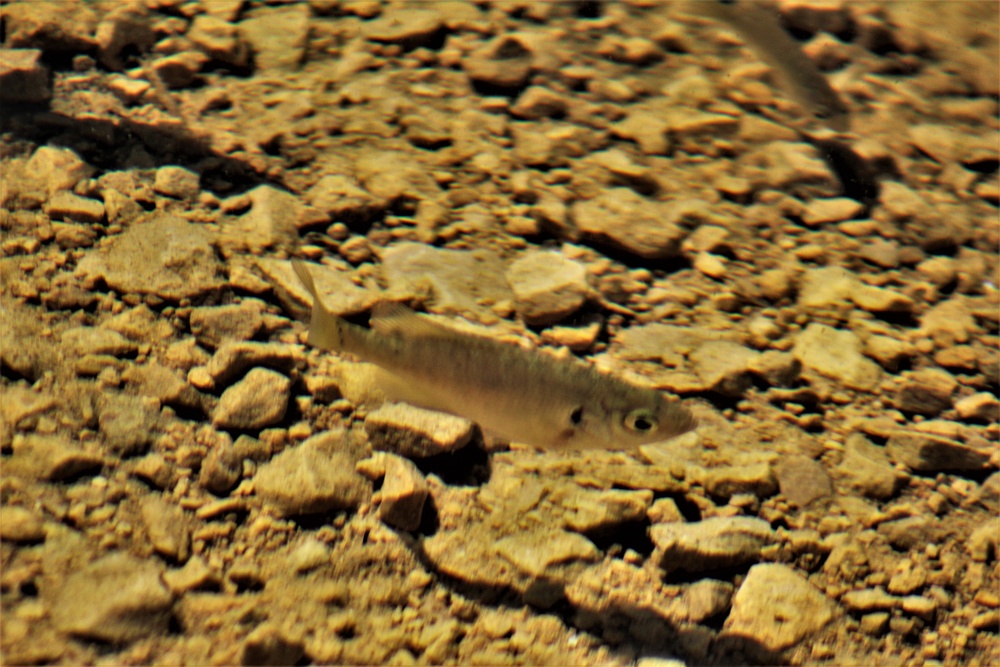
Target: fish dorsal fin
point(396, 319)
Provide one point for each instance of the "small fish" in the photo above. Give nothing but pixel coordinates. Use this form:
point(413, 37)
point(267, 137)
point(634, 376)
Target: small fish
point(523, 395)
point(758, 25)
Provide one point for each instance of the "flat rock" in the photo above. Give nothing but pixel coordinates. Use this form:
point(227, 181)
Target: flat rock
point(128, 423)
point(404, 492)
point(456, 280)
point(982, 406)
point(727, 481)
point(177, 182)
point(777, 608)
point(836, 209)
point(599, 512)
point(277, 36)
point(270, 223)
point(413, 432)
point(505, 62)
point(802, 480)
point(547, 287)
point(80, 341)
point(535, 552)
point(166, 256)
point(926, 392)
point(714, 543)
point(258, 400)
point(343, 198)
point(640, 226)
point(948, 323)
point(51, 457)
point(407, 27)
point(723, 366)
point(19, 524)
point(931, 453)
point(166, 527)
point(116, 599)
point(866, 469)
point(913, 532)
point(827, 287)
point(24, 79)
point(74, 208)
point(311, 478)
point(836, 354)
point(339, 293)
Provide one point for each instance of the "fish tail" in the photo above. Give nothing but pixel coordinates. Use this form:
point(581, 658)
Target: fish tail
point(326, 330)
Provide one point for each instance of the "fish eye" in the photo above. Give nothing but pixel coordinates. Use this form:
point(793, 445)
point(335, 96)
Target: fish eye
point(576, 416)
point(640, 421)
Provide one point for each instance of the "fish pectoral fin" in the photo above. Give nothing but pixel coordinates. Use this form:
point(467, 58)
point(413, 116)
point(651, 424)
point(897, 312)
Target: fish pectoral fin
point(395, 318)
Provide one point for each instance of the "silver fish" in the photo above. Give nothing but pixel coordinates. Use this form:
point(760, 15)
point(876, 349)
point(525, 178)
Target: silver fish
point(522, 395)
point(758, 25)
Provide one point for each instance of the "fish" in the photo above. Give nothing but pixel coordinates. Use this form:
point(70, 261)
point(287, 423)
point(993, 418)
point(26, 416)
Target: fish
point(758, 25)
point(522, 395)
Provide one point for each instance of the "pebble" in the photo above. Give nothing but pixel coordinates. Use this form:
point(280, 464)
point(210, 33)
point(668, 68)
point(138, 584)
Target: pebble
point(178, 70)
point(785, 164)
point(869, 600)
point(213, 325)
point(311, 478)
point(166, 527)
point(233, 358)
point(24, 79)
point(218, 39)
point(535, 552)
point(926, 392)
point(779, 369)
point(983, 407)
point(802, 480)
point(343, 198)
point(308, 555)
point(537, 102)
point(270, 223)
point(948, 323)
point(983, 543)
point(458, 280)
point(713, 543)
point(414, 432)
point(128, 424)
point(117, 599)
point(57, 168)
point(646, 228)
point(404, 492)
point(166, 256)
point(824, 211)
point(504, 62)
point(278, 37)
point(19, 524)
point(177, 182)
point(930, 453)
point(880, 252)
point(866, 469)
point(828, 287)
point(336, 289)
point(268, 644)
point(880, 300)
point(547, 287)
point(889, 351)
point(776, 608)
point(912, 533)
point(836, 354)
point(51, 457)
point(723, 366)
point(74, 208)
point(223, 466)
point(257, 401)
point(194, 575)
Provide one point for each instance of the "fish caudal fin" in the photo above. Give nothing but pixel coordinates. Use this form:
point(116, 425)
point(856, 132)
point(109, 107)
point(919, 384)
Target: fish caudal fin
point(325, 327)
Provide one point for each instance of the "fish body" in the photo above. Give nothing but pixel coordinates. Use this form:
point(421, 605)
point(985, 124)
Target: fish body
point(523, 395)
point(758, 25)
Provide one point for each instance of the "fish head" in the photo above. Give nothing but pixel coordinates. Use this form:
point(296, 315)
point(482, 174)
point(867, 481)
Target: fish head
point(643, 418)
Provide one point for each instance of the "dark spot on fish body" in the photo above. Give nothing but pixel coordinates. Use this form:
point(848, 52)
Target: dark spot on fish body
point(576, 417)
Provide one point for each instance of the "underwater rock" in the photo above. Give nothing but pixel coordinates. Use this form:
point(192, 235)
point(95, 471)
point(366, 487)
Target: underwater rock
point(260, 399)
